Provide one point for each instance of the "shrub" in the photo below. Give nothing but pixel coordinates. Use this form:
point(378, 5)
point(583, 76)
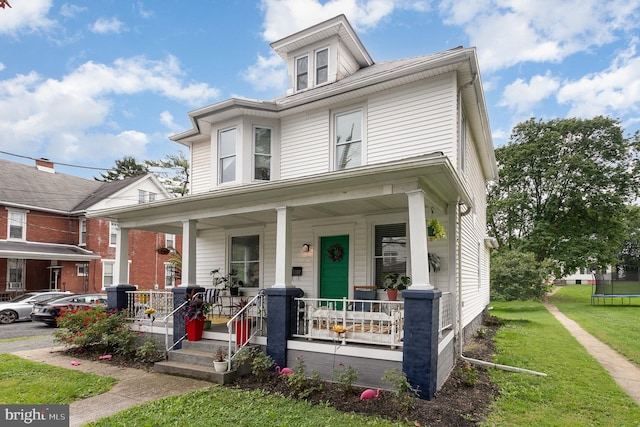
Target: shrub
point(516, 275)
point(403, 391)
point(149, 352)
point(94, 327)
point(345, 376)
point(299, 382)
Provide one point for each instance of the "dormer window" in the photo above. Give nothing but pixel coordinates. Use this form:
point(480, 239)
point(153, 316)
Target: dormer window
point(302, 72)
point(262, 153)
point(322, 66)
point(227, 155)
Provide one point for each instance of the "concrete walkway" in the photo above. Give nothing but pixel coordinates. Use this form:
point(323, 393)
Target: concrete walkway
point(625, 373)
point(135, 386)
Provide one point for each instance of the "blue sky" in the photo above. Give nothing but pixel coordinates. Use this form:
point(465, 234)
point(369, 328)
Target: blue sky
point(87, 82)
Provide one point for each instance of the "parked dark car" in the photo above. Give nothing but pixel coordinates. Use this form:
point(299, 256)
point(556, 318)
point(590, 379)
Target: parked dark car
point(20, 307)
point(48, 311)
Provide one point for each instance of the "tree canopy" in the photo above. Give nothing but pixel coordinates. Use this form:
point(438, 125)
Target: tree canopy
point(126, 167)
point(172, 171)
point(563, 190)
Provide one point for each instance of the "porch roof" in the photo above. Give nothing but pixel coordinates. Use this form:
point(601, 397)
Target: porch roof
point(44, 251)
point(370, 189)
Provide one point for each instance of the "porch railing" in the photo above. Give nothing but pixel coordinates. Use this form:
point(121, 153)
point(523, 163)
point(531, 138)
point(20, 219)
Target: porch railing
point(446, 312)
point(351, 321)
point(149, 305)
point(245, 324)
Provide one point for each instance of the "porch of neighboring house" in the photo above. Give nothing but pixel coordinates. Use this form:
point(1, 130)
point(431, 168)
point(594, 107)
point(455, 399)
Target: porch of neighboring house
point(366, 334)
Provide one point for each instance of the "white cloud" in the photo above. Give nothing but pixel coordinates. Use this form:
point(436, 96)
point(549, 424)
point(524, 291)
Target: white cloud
point(267, 73)
point(166, 118)
point(522, 96)
point(29, 17)
point(614, 91)
point(71, 10)
point(508, 32)
point(106, 26)
point(71, 114)
point(2, 66)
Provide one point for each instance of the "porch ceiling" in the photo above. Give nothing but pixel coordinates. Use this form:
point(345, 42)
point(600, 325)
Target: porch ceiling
point(366, 190)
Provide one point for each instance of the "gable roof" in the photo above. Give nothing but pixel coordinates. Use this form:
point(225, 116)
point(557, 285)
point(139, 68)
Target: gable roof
point(27, 187)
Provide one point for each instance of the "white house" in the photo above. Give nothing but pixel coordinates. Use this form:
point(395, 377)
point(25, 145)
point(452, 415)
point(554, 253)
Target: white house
point(338, 178)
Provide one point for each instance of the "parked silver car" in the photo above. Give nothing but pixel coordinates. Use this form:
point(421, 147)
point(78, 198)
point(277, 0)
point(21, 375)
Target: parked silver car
point(20, 307)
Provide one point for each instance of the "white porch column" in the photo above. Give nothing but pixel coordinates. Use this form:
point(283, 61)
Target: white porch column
point(418, 250)
point(121, 266)
point(189, 232)
point(283, 248)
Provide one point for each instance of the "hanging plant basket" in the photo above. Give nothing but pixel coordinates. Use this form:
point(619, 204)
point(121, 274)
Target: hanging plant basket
point(435, 230)
point(163, 251)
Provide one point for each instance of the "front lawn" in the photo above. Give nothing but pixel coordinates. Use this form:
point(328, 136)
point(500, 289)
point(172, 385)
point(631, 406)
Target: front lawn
point(577, 391)
point(616, 325)
point(27, 382)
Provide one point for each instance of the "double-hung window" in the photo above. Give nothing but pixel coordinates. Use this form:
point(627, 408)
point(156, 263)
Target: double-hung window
point(17, 225)
point(390, 252)
point(302, 73)
point(262, 154)
point(107, 273)
point(245, 259)
point(348, 139)
point(82, 241)
point(227, 155)
point(322, 66)
point(169, 275)
point(113, 233)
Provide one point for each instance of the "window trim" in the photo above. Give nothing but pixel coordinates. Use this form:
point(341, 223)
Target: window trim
point(105, 262)
point(234, 156)
point(374, 257)
point(363, 131)
point(80, 267)
point(23, 223)
point(247, 233)
point(172, 240)
point(82, 232)
point(296, 74)
point(254, 154)
point(316, 68)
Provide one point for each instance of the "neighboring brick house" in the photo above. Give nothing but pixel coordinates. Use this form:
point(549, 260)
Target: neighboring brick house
point(46, 242)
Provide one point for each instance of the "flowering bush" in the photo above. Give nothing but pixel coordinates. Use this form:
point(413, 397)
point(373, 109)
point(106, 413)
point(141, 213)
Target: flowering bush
point(95, 327)
point(345, 376)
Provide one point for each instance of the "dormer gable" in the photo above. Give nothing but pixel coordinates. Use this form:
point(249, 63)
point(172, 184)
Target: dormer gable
point(321, 54)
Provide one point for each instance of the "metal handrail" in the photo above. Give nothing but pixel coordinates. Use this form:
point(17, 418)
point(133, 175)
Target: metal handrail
point(260, 296)
point(166, 324)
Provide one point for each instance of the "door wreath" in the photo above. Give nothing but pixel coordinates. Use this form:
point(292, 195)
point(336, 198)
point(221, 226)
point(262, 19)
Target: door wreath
point(335, 252)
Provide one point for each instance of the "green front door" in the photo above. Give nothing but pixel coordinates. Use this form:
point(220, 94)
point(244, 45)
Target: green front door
point(334, 267)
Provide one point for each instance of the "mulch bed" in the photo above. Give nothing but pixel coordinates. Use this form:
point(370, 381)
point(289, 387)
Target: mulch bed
point(463, 401)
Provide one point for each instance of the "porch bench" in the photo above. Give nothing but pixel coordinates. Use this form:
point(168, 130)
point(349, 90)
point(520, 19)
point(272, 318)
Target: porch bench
point(361, 326)
point(611, 297)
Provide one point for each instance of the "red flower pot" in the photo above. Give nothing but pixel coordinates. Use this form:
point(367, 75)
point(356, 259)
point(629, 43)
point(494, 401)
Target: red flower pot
point(392, 294)
point(243, 331)
point(194, 329)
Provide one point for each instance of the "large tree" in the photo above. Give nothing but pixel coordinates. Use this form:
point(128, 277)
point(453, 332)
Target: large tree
point(173, 172)
point(563, 190)
point(124, 168)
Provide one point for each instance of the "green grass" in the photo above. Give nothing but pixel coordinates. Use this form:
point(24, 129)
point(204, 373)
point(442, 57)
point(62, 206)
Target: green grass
point(616, 325)
point(27, 382)
point(222, 406)
point(577, 391)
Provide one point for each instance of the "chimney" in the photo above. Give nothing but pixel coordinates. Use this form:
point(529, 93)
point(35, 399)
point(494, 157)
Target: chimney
point(45, 165)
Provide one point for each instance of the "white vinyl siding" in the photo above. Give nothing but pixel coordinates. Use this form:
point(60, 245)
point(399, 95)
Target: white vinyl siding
point(305, 144)
point(201, 170)
point(413, 121)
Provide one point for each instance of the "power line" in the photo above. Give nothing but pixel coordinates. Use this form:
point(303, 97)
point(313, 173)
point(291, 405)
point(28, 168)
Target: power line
point(61, 164)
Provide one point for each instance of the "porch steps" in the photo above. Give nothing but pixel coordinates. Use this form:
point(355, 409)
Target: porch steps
point(195, 360)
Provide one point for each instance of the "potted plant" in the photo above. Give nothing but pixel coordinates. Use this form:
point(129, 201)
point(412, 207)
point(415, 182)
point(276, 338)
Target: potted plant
point(242, 322)
point(435, 230)
point(434, 262)
point(228, 281)
point(220, 362)
point(394, 282)
point(194, 316)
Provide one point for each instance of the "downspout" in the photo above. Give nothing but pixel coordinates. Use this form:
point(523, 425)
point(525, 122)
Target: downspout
point(459, 262)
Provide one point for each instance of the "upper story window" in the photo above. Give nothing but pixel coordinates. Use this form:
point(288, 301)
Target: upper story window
point(348, 139)
point(17, 225)
point(322, 66)
point(113, 233)
point(146, 196)
point(227, 155)
point(262, 154)
point(170, 241)
point(82, 232)
point(302, 72)
point(107, 273)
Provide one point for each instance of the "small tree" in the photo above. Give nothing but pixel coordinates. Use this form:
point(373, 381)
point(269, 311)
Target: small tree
point(127, 167)
point(516, 275)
